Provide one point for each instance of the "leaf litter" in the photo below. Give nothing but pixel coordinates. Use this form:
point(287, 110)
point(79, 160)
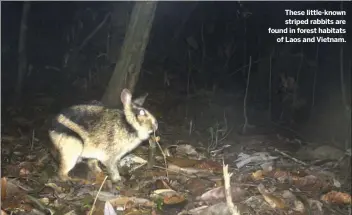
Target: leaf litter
point(184, 180)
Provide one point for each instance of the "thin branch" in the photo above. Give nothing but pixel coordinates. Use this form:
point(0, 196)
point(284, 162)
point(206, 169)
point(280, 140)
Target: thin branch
point(85, 41)
point(246, 124)
point(292, 158)
point(96, 197)
point(22, 57)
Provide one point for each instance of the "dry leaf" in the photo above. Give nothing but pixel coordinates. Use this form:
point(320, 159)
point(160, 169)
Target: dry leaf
point(311, 182)
point(162, 184)
point(306, 183)
point(258, 175)
point(209, 165)
point(3, 188)
point(219, 194)
point(337, 198)
point(272, 200)
point(197, 186)
point(168, 196)
point(175, 199)
point(99, 178)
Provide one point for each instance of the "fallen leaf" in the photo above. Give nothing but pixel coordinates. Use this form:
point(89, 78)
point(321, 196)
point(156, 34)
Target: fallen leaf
point(162, 184)
point(209, 165)
point(175, 199)
point(3, 188)
point(337, 198)
point(197, 186)
point(169, 196)
point(99, 178)
point(219, 194)
point(258, 175)
point(272, 200)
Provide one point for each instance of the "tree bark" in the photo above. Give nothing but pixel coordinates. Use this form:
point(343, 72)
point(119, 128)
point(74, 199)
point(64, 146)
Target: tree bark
point(119, 22)
point(129, 64)
point(22, 57)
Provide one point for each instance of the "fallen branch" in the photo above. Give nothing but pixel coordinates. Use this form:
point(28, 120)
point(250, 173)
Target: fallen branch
point(232, 208)
point(292, 158)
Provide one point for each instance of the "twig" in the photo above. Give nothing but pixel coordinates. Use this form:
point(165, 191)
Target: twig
point(190, 127)
point(203, 45)
point(243, 67)
point(246, 124)
point(22, 57)
point(162, 152)
point(33, 139)
point(151, 156)
point(178, 172)
point(85, 41)
point(258, 61)
point(96, 197)
point(190, 175)
point(232, 208)
point(189, 72)
point(340, 160)
point(295, 89)
point(292, 158)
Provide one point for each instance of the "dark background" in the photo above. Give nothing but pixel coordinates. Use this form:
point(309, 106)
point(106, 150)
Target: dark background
point(203, 48)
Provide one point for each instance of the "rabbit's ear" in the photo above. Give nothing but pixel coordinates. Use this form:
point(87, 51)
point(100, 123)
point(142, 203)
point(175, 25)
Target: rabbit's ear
point(126, 97)
point(140, 100)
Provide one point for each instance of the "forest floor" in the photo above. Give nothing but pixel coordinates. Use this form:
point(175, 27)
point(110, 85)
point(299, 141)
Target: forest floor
point(274, 170)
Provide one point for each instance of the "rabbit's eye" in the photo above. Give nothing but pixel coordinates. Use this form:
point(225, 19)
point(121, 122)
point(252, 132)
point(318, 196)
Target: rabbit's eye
point(141, 112)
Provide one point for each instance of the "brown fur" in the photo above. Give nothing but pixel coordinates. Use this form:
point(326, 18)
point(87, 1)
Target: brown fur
point(94, 131)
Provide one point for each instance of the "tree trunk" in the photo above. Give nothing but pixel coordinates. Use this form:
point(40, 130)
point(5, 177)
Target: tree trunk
point(129, 64)
point(119, 22)
point(22, 57)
